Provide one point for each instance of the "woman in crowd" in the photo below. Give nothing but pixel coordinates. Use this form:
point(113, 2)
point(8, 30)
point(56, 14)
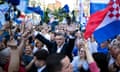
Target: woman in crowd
point(28, 55)
point(79, 62)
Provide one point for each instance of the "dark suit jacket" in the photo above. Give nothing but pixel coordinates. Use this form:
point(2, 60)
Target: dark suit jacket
point(34, 69)
point(44, 70)
point(52, 46)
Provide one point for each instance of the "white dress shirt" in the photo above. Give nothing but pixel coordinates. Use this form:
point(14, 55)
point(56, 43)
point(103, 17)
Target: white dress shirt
point(40, 69)
point(60, 48)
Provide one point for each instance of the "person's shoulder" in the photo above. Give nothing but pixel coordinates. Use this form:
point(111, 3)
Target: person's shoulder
point(76, 58)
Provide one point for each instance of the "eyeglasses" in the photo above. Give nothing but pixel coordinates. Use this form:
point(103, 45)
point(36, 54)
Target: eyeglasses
point(81, 50)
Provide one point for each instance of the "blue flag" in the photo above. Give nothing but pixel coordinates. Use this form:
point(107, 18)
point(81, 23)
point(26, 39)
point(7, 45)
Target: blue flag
point(18, 21)
point(37, 10)
point(14, 2)
point(66, 8)
point(3, 9)
point(23, 5)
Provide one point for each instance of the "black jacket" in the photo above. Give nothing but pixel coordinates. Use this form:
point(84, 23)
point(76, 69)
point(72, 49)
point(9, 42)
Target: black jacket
point(34, 69)
point(52, 46)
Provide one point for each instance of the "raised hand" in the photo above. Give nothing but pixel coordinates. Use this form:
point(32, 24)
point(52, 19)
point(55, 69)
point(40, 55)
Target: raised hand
point(25, 35)
point(12, 43)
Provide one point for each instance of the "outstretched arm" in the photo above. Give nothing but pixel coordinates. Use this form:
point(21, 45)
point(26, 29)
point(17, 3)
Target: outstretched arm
point(48, 43)
point(14, 57)
point(22, 43)
point(30, 64)
point(92, 64)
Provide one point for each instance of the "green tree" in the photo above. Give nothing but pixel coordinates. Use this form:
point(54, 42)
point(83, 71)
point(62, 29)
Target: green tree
point(2, 1)
point(46, 18)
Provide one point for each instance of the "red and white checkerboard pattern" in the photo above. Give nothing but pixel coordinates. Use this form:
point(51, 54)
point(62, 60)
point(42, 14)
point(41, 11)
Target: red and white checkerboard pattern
point(114, 11)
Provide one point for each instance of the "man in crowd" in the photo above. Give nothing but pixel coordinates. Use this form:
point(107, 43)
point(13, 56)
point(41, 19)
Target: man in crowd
point(58, 63)
point(60, 45)
point(39, 62)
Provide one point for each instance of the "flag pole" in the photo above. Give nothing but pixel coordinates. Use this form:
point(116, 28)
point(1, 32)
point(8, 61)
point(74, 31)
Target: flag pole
point(33, 5)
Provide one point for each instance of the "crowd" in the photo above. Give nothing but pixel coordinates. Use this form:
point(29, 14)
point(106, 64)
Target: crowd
point(40, 48)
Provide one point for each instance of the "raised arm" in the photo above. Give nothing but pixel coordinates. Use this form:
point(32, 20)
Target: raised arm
point(71, 39)
point(14, 53)
point(48, 43)
point(92, 64)
point(71, 44)
point(28, 67)
point(14, 57)
point(24, 37)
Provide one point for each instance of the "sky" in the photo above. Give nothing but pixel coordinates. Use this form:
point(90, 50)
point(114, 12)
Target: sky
point(71, 3)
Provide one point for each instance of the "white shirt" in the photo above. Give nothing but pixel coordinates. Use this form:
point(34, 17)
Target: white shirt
point(92, 46)
point(40, 69)
point(111, 60)
point(59, 48)
point(77, 62)
point(35, 49)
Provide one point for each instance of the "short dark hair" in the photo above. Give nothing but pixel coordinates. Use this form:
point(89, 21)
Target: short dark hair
point(102, 61)
point(59, 34)
point(41, 54)
point(54, 62)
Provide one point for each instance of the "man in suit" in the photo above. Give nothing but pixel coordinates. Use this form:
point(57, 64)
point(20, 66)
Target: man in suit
point(39, 64)
point(58, 63)
point(59, 45)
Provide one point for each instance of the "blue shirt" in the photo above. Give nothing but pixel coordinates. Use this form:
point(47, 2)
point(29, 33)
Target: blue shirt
point(77, 62)
point(102, 50)
point(75, 51)
point(27, 59)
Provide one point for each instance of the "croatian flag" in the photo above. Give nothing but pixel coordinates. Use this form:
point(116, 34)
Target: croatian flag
point(20, 19)
point(96, 5)
point(104, 24)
